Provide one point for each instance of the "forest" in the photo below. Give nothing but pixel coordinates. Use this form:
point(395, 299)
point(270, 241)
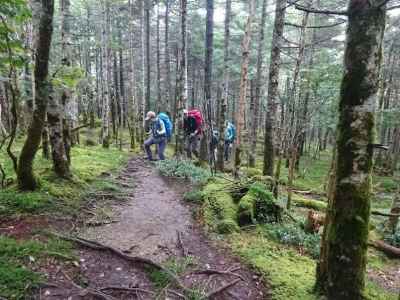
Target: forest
point(216, 149)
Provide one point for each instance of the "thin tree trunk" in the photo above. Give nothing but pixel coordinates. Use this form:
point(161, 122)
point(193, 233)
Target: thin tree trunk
point(43, 24)
point(224, 103)
point(342, 266)
point(254, 117)
point(147, 54)
point(160, 106)
point(240, 120)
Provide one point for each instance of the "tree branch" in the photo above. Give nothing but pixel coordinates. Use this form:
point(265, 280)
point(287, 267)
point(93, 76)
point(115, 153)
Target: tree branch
point(320, 11)
point(317, 27)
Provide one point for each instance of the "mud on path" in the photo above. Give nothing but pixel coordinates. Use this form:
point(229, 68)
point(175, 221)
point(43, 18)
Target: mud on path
point(153, 222)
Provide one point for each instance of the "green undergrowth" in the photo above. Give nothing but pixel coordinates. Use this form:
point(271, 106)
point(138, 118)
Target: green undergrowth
point(175, 265)
point(290, 274)
point(54, 194)
point(184, 169)
point(17, 258)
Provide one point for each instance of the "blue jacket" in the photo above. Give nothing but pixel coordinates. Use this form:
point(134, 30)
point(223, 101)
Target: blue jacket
point(230, 132)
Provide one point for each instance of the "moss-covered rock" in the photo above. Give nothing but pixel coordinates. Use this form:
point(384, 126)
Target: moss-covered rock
point(219, 209)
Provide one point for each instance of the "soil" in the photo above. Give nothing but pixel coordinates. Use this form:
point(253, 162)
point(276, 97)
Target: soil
point(152, 222)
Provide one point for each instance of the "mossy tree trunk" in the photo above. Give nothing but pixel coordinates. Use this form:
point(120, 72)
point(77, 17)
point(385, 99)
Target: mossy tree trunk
point(43, 24)
point(273, 88)
point(393, 220)
point(342, 264)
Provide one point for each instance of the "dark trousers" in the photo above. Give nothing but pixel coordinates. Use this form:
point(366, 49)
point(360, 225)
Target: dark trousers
point(161, 143)
point(191, 145)
point(227, 149)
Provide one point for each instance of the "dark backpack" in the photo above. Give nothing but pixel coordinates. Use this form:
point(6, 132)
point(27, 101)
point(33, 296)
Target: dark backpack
point(167, 123)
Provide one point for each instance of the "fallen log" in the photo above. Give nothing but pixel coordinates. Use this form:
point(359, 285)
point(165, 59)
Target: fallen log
point(386, 248)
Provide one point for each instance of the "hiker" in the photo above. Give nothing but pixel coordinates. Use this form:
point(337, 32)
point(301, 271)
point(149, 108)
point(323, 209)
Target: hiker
point(230, 135)
point(158, 136)
point(192, 123)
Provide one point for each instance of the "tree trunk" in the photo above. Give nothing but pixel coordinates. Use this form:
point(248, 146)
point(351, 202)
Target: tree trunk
point(256, 112)
point(342, 265)
point(207, 104)
point(159, 105)
point(273, 89)
point(395, 210)
point(43, 24)
point(224, 103)
point(147, 54)
point(181, 84)
point(57, 106)
point(240, 112)
point(167, 60)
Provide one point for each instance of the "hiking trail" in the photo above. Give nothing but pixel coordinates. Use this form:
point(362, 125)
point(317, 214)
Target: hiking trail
point(153, 222)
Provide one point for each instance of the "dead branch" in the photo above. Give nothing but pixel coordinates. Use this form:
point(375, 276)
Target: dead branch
point(320, 11)
point(386, 248)
point(176, 293)
point(217, 272)
point(379, 213)
point(124, 289)
point(134, 259)
point(221, 289)
point(181, 245)
point(79, 127)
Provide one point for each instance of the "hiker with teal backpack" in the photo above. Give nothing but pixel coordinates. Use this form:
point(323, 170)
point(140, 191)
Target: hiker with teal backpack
point(161, 132)
point(230, 135)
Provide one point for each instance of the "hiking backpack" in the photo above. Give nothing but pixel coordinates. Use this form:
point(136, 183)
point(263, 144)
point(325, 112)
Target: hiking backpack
point(196, 114)
point(167, 123)
point(233, 128)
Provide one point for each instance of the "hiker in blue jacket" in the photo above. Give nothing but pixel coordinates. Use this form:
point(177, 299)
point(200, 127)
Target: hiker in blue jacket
point(230, 135)
point(158, 136)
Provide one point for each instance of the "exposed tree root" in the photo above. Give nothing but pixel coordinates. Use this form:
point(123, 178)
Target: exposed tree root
point(134, 259)
point(217, 272)
point(222, 288)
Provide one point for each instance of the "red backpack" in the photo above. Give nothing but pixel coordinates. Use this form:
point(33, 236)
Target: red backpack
point(196, 114)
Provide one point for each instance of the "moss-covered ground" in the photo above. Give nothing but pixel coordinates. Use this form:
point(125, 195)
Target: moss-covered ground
point(20, 258)
point(284, 254)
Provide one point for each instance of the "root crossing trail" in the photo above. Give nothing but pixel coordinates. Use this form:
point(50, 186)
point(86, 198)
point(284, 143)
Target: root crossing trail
point(154, 223)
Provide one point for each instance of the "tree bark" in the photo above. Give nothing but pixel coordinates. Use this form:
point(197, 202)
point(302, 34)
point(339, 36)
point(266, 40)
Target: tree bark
point(207, 104)
point(273, 89)
point(254, 117)
point(167, 95)
point(240, 112)
point(224, 103)
point(147, 54)
point(43, 24)
point(342, 265)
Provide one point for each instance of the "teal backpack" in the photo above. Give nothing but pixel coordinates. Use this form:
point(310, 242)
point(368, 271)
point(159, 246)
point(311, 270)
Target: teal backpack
point(167, 123)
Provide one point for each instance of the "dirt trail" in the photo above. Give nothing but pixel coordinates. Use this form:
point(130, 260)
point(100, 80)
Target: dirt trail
point(148, 223)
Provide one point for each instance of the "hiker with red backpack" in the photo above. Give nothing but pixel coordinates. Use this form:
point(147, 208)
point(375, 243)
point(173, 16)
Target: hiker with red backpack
point(161, 131)
point(192, 125)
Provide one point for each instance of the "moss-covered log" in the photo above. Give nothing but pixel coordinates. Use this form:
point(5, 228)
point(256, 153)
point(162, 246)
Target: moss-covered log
point(342, 264)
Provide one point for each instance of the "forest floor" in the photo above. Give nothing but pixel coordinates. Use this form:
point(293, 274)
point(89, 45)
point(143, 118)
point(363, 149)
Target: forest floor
point(150, 220)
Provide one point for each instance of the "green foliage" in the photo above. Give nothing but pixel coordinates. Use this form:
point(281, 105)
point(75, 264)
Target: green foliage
point(16, 280)
point(194, 196)
point(177, 266)
point(183, 169)
point(293, 235)
point(13, 201)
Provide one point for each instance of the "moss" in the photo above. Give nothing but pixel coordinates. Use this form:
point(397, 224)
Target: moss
point(253, 172)
point(15, 278)
point(194, 196)
point(246, 209)
point(227, 226)
point(218, 206)
point(290, 275)
point(309, 203)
